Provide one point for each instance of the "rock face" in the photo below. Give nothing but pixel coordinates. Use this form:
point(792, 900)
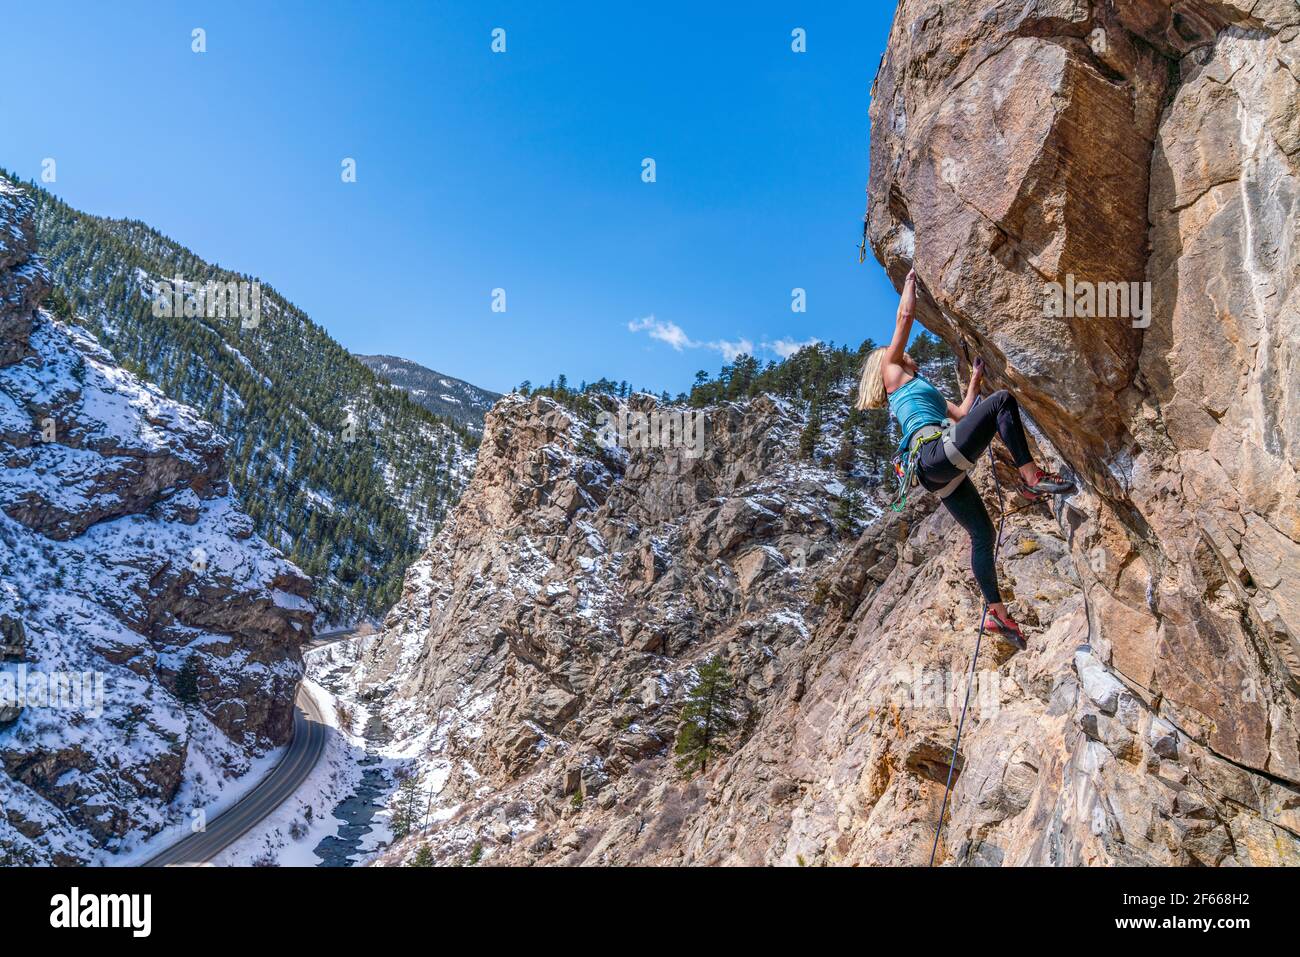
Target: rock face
point(130, 576)
point(1016, 145)
point(536, 665)
point(537, 662)
point(538, 655)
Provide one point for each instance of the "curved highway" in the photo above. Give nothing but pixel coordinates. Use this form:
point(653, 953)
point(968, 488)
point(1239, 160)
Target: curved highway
point(310, 732)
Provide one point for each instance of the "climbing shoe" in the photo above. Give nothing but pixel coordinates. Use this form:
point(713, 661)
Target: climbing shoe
point(1004, 628)
point(1046, 483)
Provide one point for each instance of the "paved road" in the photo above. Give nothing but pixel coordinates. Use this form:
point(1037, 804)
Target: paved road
point(310, 732)
point(330, 638)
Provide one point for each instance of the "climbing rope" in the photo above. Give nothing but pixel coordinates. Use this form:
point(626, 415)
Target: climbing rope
point(970, 679)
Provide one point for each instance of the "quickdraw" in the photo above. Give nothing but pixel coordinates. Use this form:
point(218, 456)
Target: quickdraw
point(904, 464)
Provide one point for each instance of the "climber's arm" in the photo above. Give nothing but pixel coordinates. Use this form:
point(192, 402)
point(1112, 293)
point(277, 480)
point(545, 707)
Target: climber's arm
point(903, 323)
point(959, 412)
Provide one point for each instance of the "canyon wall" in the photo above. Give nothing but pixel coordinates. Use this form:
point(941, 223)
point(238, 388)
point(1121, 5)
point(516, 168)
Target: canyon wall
point(1018, 145)
point(130, 579)
point(535, 669)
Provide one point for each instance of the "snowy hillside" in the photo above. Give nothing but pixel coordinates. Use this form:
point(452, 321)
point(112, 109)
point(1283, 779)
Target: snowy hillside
point(148, 640)
point(347, 475)
point(443, 395)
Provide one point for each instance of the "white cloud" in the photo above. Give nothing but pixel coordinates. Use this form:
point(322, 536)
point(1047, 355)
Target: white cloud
point(785, 348)
point(730, 350)
point(676, 337)
point(668, 332)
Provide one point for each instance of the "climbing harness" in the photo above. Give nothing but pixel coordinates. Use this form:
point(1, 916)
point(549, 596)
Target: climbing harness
point(970, 678)
point(904, 463)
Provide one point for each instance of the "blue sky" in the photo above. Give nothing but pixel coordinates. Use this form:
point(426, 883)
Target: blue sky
point(478, 171)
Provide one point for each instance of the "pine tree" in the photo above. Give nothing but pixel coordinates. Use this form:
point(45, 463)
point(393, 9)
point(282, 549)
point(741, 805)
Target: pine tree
point(407, 810)
point(708, 717)
point(846, 453)
point(811, 432)
point(187, 681)
point(423, 857)
point(849, 511)
point(58, 304)
point(878, 442)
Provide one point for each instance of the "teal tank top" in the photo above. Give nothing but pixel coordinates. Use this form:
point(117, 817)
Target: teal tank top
point(915, 404)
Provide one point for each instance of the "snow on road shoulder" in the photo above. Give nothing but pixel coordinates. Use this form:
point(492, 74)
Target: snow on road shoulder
point(228, 793)
point(288, 836)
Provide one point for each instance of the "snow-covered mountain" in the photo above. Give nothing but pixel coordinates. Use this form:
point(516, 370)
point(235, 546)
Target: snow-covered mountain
point(443, 395)
point(346, 474)
point(149, 641)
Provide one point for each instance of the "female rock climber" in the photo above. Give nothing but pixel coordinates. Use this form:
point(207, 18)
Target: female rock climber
point(941, 452)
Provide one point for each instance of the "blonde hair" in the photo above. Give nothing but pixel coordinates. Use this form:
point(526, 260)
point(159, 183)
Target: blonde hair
point(871, 390)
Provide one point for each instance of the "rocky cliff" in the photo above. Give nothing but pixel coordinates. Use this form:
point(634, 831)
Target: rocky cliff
point(1088, 145)
point(536, 665)
point(536, 662)
point(149, 648)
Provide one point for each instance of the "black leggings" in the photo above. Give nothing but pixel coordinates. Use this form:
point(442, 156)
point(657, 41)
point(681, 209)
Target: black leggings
point(999, 414)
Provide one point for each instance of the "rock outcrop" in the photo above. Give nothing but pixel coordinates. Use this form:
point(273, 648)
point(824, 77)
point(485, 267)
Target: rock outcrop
point(537, 658)
point(1092, 145)
point(537, 662)
point(148, 643)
